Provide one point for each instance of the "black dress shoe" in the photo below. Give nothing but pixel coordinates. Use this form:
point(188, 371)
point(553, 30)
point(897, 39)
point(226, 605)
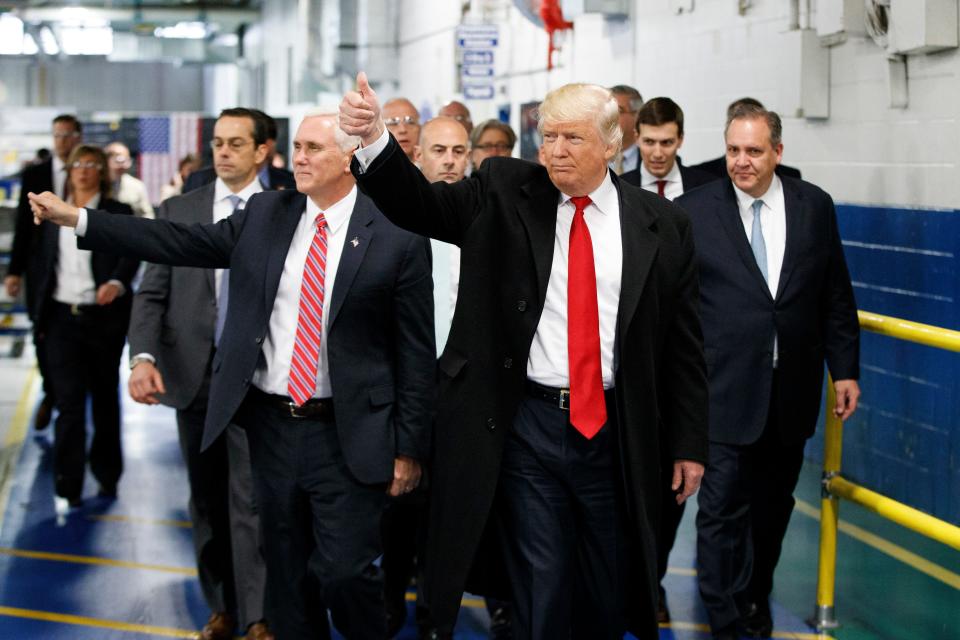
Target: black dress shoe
point(107, 491)
point(663, 613)
point(44, 414)
point(757, 623)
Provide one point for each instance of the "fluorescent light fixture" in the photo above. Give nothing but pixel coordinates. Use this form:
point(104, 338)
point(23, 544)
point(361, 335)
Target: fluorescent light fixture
point(11, 35)
point(30, 47)
point(49, 41)
point(81, 17)
point(185, 30)
point(86, 41)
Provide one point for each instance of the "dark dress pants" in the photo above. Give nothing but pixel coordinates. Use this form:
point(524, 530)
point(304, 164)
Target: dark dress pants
point(321, 528)
point(561, 525)
point(83, 348)
point(207, 474)
point(745, 503)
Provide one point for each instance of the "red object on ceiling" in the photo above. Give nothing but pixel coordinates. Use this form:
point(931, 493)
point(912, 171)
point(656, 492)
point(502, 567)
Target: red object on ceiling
point(553, 21)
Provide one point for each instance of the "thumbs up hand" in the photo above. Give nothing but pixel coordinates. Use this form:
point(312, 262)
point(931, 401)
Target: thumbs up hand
point(360, 112)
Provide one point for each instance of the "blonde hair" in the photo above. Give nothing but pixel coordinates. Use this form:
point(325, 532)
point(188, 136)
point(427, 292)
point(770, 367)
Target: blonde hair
point(580, 101)
point(346, 143)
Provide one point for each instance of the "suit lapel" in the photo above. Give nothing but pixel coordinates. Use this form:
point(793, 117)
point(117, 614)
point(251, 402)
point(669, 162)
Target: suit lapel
point(283, 227)
point(357, 229)
point(728, 212)
point(640, 246)
point(793, 206)
point(204, 215)
point(538, 214)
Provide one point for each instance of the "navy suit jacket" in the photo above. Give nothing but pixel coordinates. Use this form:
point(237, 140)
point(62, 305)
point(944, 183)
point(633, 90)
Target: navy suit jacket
point(380, 338)
point(814, 314)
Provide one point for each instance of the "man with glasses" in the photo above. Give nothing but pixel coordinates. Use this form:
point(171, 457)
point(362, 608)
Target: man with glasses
point(126, 188)
point(403, 121)
point(489, 139)
point(459, 112)
point(50, 175)
point(629, 102)
point(173, 336)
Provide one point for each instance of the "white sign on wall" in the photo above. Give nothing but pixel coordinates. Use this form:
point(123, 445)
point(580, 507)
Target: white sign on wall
point(476, 43)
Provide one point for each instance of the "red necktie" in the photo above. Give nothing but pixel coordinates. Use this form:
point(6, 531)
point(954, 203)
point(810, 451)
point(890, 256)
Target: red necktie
point(306, 346)
point(661, 185)
point(588, 409)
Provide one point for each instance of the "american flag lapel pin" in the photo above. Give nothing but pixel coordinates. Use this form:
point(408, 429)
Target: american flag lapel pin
point(355, 242)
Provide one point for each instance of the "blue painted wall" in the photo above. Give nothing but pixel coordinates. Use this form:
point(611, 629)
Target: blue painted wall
point(904, 441)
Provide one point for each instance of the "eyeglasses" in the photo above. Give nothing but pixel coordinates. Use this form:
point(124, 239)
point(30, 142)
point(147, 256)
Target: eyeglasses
point(86, 165)
point(410, 121)
point(461, 118)
point(119, 160)
point(235, 144)
point(494, 146)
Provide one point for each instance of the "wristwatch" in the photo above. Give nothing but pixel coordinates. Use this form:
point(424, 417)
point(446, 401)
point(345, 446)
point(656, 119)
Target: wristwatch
point(134, 361)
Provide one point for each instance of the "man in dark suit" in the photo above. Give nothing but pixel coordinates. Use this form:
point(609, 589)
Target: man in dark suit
point(25, 263)
point(271, 177)
point(555, 399)
point(659, 138)
point(176, 313)
point(659, 134)
point(776, 301)
point(327, 359)
point(718, 166)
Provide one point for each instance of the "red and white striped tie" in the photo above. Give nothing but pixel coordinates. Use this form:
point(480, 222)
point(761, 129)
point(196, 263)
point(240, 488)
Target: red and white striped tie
point(306, 346)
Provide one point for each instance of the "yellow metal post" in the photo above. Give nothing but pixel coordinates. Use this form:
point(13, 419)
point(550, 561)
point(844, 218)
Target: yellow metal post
point(824, 615)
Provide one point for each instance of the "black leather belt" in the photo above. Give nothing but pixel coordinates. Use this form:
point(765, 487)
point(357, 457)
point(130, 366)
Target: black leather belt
point(316, 408)
point(559, 397)
point(78, 309)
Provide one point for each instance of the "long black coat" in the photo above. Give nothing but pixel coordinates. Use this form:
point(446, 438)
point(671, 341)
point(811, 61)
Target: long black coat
point(504, 221)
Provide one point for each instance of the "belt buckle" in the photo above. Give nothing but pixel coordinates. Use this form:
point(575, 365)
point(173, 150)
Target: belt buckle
point(75, 310)
point(564, 403)
point(294, 410)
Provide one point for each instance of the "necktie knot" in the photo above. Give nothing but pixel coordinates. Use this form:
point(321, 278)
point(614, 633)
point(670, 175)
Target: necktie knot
point(320, 221)
point(757, 206)
point(235, 201)
point(661, 188)
point(581, 203)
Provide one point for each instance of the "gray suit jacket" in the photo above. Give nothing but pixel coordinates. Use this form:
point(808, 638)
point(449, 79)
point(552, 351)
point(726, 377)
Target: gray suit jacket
point(175, 309)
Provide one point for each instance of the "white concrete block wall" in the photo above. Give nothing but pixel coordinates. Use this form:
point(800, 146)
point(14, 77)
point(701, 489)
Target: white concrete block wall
point(864, 153)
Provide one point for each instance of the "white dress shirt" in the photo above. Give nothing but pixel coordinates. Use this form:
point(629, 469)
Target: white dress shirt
point(59, 176)
point(222, 209)
point(773, 223)
point(547, 363)
point(273, 372)
point(671, 190)
point(75, 283)
point(629, 159)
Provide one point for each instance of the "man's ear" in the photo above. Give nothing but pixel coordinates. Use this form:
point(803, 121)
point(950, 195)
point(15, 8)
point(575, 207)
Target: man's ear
point(417, 153)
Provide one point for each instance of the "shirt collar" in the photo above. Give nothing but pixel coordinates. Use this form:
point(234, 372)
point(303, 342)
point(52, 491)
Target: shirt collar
point(745, 200)
point(221, 191)
point(604, 197)
point(648, 178)
point(336, 214)
point(58, 164)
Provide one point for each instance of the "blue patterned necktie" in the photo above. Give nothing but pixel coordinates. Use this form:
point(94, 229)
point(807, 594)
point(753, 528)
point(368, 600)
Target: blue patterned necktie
point(224, 297)
point(756, 239)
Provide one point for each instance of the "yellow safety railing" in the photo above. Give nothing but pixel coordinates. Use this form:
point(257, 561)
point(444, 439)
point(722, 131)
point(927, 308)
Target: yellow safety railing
point(836, 486)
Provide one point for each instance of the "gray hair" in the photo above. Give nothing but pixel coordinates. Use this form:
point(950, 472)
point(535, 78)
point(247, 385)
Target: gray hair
point(636, 100)
point(345, 142)
point(579, 101)
point(502, 127)
point(747, 111)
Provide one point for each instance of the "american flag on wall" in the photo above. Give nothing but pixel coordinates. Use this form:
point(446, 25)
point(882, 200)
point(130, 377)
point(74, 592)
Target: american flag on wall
point(164, 140)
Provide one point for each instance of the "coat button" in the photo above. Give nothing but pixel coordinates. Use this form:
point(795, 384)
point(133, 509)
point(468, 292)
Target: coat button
point(491, 424)
point(260, 340)
point(245, 381)
point(507, 363)
point(521, 305)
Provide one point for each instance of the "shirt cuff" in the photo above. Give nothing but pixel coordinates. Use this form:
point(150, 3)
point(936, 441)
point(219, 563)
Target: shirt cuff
point(366, 155)
point(81, 228)
point(144, 356)
point(119, 285)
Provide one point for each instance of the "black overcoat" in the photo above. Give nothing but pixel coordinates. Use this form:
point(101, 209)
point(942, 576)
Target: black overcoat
point(504, 221)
